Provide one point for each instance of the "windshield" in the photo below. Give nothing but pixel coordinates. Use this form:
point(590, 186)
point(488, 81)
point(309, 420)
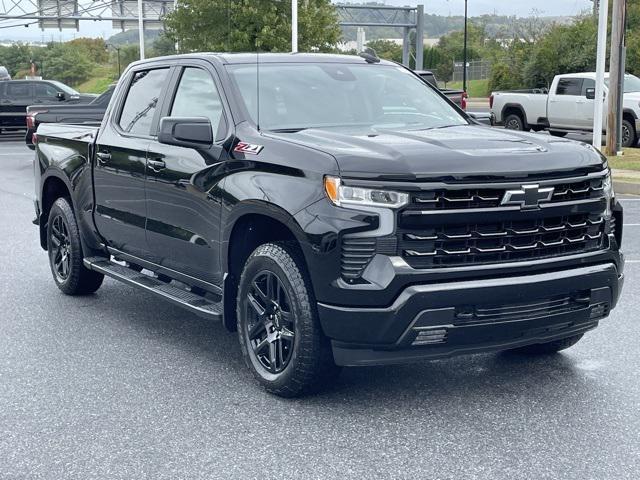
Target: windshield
point(631, 83)
point(65, 88)
point(331, 95)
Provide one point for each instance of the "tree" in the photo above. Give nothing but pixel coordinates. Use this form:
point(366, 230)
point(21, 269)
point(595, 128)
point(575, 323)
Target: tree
point(64, 62)
point(250, 25)
point(16, 57)
point(96, 48)
point(444, 71)
point(386, 49)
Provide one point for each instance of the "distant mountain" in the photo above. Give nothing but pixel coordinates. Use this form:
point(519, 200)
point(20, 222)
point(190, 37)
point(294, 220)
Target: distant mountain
point(130, 37)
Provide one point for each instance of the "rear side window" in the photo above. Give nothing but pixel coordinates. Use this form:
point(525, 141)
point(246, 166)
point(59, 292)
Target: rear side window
point(197, 96)
point(142, 101)
point(569, 86)
point(18, 91)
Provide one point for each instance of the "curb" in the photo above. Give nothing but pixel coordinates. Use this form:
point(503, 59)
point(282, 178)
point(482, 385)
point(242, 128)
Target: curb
point(628, 188)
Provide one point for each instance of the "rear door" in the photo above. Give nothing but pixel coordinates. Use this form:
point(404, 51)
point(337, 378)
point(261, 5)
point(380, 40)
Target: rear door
point(121, 155)
point(13, 104)
point(563, 103)
point(183, 201)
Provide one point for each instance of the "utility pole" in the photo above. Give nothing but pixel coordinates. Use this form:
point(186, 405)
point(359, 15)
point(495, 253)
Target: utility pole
point(464, 60)
point(294, 26)
point(141, 29)
point(598, 102)
point(616, 77)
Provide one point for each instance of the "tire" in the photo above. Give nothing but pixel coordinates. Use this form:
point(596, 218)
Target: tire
point(65, 252)
point(556, 133)
point(514, 122)
point(629, 134)
point(278, 326)
point(550, 347)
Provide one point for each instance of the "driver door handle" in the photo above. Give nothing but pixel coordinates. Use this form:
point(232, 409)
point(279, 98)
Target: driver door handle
point(156, 165)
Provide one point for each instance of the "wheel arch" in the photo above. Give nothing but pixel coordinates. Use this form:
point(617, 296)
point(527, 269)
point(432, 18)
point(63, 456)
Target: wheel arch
point(252, 224)
point(54, 186)
point(511, 108)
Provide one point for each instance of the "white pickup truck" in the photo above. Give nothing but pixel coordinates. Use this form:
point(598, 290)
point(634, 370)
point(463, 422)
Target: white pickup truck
point(567, 107)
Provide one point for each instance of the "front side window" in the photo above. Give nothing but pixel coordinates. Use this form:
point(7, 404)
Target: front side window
point(197, 96)
point(44, 90)
point(586, 85)
point(339, 95)
point(569, 86)
point(142, 101)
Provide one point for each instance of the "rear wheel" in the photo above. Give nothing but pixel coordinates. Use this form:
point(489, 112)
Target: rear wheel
point(556, 133)
point(514, 122)
point(65, 252)
point(278, 326)
point(549, 347)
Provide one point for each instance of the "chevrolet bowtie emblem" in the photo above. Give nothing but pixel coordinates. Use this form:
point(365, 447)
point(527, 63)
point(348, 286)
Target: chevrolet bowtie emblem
point(529, 196)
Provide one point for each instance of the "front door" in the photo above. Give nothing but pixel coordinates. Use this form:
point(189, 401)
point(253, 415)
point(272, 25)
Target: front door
point(585, 106)
point(121, 155)
point(183, 203)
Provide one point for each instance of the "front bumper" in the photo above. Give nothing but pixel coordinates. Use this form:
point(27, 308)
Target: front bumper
point(445, 319)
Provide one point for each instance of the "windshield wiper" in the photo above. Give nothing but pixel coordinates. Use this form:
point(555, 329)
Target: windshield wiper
point(288, 130)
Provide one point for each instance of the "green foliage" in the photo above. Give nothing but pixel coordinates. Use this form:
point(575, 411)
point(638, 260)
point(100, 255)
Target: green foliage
point(64, 62)
point(444, 70)
point(96, 48)
point(15, 57)
point(238, 25)
point(387, 49)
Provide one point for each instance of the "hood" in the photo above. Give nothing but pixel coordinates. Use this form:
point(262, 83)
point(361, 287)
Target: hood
point(448, 153)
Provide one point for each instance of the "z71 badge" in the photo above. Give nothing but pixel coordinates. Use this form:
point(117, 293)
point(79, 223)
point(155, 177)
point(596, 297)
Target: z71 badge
point(248, 148)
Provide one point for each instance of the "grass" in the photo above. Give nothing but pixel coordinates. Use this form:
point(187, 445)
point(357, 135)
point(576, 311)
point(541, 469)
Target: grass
point(102, 77)
point(629, 161)
point(476, 88)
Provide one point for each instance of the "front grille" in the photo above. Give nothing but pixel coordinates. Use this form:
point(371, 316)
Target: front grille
point(482, 243)
point(469, 198)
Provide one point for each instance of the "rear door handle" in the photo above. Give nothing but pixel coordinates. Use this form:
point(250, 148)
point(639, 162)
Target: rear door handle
point(156, 165)
point(103, 157)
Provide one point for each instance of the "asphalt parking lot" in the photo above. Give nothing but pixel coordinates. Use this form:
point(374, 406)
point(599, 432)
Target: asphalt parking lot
point(120, 385)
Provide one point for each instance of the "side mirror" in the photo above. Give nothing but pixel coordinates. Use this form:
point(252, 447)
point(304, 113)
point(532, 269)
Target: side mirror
point(190, 132)
point(591, 93)
point(60, 96)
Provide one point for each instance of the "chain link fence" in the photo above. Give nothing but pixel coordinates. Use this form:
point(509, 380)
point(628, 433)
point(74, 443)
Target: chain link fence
point(476, 70)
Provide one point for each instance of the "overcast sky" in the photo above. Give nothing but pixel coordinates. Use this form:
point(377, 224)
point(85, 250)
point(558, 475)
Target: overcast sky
point(521, 8)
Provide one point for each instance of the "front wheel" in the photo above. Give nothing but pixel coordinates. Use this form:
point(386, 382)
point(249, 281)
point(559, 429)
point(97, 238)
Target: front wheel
point(65, 252)
point(629, 134)
point(549, 347)
point(278, 326)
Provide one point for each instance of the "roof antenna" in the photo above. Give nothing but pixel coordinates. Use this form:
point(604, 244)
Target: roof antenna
point(370, 55)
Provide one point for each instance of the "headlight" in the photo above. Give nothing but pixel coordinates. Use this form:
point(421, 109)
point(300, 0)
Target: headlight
point(342, 195)
point(609, 194)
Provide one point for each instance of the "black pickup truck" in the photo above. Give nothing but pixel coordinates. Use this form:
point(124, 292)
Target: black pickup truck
point(17, 95)
point(82, 113)
point(334, 210)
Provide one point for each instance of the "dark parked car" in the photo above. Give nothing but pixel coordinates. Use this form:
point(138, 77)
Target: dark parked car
point(459, 97)
point(334, 210)
point(90, 113)
point(16, 95)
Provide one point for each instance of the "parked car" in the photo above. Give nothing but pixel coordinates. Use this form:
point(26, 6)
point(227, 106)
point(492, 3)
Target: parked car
point(567, 107)
point(16, 95)
point(90, 113)
point(459, 97)
point(334, 210)
point(4, 74)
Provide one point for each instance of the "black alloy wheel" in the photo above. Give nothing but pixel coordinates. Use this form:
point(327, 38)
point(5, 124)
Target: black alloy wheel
point(61, 251)
point(270, 326)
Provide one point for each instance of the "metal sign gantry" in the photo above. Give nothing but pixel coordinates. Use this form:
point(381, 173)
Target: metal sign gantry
point(66, 14)
point(407, 18)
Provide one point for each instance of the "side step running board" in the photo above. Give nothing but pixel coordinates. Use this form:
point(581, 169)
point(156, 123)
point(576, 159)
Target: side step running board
point(195, 303)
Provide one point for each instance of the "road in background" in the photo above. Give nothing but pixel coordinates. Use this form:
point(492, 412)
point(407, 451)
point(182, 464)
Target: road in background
point(121, 385)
